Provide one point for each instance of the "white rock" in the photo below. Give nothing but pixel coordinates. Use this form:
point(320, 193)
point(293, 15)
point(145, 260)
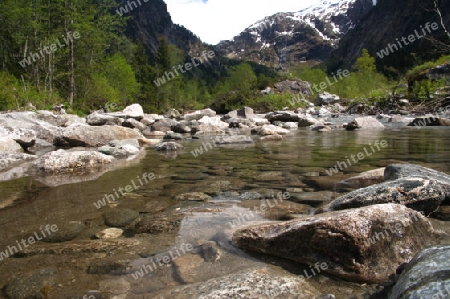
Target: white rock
point(109, 233)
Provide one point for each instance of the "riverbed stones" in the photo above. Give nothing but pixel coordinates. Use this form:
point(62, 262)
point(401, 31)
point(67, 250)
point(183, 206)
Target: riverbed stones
point(161, 223)
point(211, 252)
point(169, 147)
point(66, 232)
point(111, 265)
point(420, 194)
point(62, 161)
point(115, 288)
point(365, 244)
point(120, 217)
point(193, 196)
point(31, 285)
point(426, 276)
point(109, 233)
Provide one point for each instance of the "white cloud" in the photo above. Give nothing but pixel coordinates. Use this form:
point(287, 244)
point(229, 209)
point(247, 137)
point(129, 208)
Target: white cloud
point(218, 20)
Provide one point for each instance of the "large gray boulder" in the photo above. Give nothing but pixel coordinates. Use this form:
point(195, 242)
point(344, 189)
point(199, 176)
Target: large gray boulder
point(95, 136)
point(62, 161)
point(365, 244)
point(426, 276)
point(134, 111)
point(30, 121)
point(365, 123)
point(420, 194)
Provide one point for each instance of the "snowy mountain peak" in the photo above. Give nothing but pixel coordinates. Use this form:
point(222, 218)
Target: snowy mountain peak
point(283, 39)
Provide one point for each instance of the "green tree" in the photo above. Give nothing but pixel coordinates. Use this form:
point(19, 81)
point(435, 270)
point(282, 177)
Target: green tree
point(365, 63)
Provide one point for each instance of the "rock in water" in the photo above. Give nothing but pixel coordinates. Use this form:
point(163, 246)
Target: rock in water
point(426, 276)
point(396, 171)
point(365, 244)
point(169, 146)
point(62, 161)
point(416, 193)
point(365, 123)
point(254, 283)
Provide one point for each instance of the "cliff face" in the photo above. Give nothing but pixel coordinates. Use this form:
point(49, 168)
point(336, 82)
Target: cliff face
point(283, 40)
point(151, 20)
point(384, 24)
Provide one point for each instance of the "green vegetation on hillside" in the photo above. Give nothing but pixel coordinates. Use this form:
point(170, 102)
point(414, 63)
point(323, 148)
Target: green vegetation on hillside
point(76, 52)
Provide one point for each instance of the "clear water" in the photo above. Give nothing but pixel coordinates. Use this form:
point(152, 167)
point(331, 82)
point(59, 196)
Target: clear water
point(27, 205)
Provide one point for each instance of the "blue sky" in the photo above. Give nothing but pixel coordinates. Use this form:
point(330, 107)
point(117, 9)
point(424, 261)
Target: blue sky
point(216, 20)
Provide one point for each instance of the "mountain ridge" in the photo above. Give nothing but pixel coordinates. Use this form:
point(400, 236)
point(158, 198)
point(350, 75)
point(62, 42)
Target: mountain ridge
point(282, 40)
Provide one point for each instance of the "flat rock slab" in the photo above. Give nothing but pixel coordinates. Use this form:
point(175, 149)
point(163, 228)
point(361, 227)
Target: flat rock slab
point(62, 161)
point(426, 276)
point(95, 136)
point(365, 244)
point(259, 283)
point(420, 194)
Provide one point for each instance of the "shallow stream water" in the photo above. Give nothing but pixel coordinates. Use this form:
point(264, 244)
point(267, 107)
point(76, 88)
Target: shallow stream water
point(229, 174)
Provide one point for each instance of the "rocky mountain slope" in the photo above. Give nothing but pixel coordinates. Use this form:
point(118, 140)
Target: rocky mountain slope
point(392, 20)
point(284, 39)
point(151, 20)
